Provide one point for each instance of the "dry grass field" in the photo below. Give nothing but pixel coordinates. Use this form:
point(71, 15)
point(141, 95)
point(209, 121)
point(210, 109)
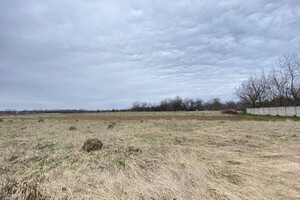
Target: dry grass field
point(197, 155)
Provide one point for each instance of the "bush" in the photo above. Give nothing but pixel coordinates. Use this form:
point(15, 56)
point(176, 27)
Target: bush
point(93, 144)
point(111, 125)
point(41, 120)
point(72, 128)
point(229, 112)
point(1, 120)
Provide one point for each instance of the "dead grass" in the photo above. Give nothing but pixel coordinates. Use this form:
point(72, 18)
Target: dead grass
point(157, 159)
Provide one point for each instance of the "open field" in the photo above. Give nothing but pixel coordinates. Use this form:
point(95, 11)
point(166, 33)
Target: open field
point(183, 155)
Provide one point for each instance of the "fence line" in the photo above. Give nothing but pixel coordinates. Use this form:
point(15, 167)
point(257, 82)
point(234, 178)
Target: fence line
point(281, 111)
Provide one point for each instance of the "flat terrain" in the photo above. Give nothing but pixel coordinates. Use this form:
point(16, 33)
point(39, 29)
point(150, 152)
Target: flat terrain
point(183, 155)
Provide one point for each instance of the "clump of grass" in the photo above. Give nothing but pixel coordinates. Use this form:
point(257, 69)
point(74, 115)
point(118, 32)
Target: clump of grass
point(10, 189)
point(72, 128)
point(40, 120)
point(111, 125)
point(231, 177)
point(132, 149)
point(12, 158)
point(50, 146)
point(31, 191)
point(120, 161)
point(7, 188)
point(179, 140)
point(92, 144)
point(234, 162)
point(229, 112)
point(1, 120)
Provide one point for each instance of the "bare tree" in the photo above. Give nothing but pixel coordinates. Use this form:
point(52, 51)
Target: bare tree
point(177, 103)
point(253, 90)
point(290, 66)
point(198, 104)
point(277, 86)
point(214, 104)
point(140, 106)
point(188, 104)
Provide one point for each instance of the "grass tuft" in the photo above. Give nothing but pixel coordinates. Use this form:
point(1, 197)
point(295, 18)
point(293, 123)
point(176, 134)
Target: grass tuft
point(72, 128)
point(120, 161)
point(111, 125)
point(93, 144)
point(10, 189)
point(132, 149)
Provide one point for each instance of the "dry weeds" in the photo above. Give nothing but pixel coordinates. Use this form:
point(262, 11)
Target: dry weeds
point(157, 159)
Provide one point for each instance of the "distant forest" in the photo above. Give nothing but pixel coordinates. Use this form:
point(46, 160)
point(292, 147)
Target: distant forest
point(169, 104)
point(188, 104)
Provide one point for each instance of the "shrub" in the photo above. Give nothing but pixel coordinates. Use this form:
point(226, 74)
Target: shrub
point(93, 144)
point(230, 112)
point(40, 120)
point(111, 125)
point(1, 120)
point(72, 128)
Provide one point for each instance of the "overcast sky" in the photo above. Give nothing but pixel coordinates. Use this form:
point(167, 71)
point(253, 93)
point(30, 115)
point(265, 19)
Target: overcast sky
point(102, 54)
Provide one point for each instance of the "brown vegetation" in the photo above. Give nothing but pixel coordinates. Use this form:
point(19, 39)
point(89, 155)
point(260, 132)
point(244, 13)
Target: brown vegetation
point(179, 157)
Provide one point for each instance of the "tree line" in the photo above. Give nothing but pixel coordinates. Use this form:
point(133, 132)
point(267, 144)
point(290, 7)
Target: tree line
point(168, 104)
point(56, 111)
point(279, 86)
point(187, 104)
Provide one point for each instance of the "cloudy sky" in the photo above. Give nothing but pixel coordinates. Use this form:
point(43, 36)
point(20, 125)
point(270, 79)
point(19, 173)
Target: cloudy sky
point(102, 54)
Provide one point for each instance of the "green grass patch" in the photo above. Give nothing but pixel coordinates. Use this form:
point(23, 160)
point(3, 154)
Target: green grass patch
point(120, 161)
point(267, 117)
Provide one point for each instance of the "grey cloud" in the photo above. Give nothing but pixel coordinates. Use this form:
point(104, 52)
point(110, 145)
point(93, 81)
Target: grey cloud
point(106, 54)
